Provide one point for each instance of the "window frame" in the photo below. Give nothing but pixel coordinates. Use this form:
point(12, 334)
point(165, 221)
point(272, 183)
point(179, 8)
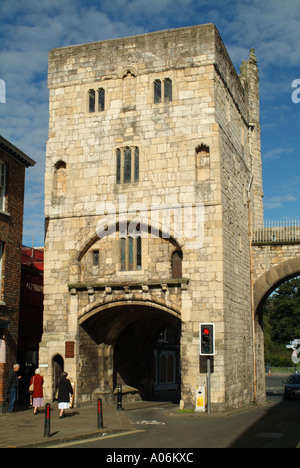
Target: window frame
point(157, 91)
point(96, 100)
point(92, 101)
point(101, 99)
point(2, 256)
point(96, 258)
point(168, 90)
point(131, 252)
point(127, 165)
point(127, 156)
point(3, 177)
point(162, 90)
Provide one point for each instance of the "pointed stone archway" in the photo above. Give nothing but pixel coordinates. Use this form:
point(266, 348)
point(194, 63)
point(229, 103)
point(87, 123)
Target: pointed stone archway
point(273, 278)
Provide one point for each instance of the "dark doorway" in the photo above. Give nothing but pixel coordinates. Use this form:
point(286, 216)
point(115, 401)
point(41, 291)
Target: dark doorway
point(147, 358)
point(118, 345)
point(57, 369)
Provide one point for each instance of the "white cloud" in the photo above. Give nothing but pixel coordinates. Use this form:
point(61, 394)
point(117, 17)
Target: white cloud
point(277, 153)
point(270, 26)
point(278, 201)
point(30, 28)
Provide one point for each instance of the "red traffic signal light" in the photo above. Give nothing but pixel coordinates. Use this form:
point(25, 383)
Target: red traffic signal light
point(207, 339)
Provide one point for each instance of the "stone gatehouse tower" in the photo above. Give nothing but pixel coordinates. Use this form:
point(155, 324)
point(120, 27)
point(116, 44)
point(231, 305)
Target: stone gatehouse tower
point(153, 172)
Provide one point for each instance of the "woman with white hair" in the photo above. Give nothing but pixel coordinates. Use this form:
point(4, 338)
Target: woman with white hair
point(37, 395)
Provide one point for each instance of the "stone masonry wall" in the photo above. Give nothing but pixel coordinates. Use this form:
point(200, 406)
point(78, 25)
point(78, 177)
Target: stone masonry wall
point(193, 150)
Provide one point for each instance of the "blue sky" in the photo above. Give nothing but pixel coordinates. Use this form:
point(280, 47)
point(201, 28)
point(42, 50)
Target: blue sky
point(30, 28)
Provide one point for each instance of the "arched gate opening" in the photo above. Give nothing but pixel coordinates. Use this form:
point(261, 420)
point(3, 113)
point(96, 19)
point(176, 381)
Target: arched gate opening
point(120, 344)
point(263, 287)
point(272, 279)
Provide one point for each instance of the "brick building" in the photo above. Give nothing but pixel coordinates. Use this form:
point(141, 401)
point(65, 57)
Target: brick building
point(13, 163)
point(31, 306)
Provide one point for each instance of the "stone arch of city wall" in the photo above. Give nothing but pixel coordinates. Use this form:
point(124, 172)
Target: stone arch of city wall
point(273, 264)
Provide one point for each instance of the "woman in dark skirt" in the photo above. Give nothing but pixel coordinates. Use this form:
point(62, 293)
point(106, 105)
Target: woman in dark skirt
point(64, 391)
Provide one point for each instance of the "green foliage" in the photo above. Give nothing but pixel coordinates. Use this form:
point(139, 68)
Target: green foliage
point(281, 319)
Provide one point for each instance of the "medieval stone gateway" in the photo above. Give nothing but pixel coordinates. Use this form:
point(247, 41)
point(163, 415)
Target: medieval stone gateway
point(153, 181)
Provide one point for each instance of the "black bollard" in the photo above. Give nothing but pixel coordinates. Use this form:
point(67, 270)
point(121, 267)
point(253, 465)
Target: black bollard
point(119, 404)
point(100, 414)
point(47, 421)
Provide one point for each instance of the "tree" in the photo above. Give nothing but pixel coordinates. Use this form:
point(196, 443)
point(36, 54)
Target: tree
point(282, 319)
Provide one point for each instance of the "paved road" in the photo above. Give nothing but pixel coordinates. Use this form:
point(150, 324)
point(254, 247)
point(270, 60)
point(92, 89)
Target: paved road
point(275, 425)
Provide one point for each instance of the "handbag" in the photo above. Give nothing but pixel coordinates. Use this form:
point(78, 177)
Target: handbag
point(31, 388)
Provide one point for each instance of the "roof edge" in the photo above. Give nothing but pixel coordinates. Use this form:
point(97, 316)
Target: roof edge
point(135, 36)
point(16, 152)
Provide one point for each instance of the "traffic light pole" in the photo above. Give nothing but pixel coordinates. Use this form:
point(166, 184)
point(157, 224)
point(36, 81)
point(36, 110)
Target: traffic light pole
point(207, 348)
point(208, 384)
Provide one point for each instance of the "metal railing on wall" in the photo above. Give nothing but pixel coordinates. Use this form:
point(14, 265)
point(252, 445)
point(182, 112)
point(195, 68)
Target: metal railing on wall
point(277, 231)
point(269, 369)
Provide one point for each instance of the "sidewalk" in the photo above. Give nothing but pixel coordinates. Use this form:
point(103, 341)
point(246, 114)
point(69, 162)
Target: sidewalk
point(23, 429)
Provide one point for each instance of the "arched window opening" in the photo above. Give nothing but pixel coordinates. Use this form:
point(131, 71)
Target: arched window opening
point(60, 178)
point(202, 162)
point(60, 165)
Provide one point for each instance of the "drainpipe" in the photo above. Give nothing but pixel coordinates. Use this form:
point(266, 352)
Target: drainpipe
point(252, 292)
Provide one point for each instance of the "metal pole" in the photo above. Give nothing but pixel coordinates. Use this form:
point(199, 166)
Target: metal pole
point(100, 414)
point(119, 404)
point(47, 421)
point(208, 384)
point(252, 301)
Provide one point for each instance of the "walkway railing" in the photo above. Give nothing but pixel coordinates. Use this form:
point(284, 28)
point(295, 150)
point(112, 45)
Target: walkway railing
point(277, 231)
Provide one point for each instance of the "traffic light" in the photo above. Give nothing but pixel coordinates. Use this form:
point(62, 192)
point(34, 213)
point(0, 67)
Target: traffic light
point(207, 339)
